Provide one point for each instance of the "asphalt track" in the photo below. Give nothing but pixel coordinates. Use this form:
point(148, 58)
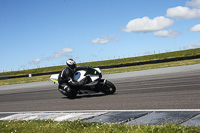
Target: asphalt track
point(170, 88)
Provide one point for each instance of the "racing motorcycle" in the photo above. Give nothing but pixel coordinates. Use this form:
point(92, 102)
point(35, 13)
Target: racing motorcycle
point(92, 83)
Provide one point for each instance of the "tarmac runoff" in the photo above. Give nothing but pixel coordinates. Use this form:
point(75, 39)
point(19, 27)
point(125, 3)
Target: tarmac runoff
point(127, 117)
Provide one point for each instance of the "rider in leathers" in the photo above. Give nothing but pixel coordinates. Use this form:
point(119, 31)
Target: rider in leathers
point(65, 78)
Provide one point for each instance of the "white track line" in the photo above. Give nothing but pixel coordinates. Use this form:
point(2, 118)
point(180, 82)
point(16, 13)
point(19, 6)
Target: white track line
point(51, 116)
point(90, 111)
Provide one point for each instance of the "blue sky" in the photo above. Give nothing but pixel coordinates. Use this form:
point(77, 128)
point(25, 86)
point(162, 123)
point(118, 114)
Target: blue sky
point(41, 33)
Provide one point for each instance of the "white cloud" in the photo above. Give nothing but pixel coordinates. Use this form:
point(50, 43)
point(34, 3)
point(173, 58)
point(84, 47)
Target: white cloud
point(148, 25)
point(63, 51)
point(195, 28)
point(183, 12)
point(193, 3)
point(35, 61)
point(166, 33)
point(104, 39)
point(100, 40)
point(56, 55)
point(192, 46)
point(147, 52)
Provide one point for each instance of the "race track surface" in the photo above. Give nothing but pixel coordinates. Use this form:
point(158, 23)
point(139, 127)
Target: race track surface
point(177, 90)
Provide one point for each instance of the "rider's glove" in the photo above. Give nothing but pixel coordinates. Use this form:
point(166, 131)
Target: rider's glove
point(71, 82)
point(80, 84)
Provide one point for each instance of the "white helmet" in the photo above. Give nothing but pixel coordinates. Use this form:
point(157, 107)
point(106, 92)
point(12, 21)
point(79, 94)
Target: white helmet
point(71, 64)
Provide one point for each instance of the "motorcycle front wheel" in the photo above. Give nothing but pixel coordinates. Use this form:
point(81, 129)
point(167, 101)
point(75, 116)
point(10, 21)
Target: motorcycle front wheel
point(71, 94)
point(108, 88)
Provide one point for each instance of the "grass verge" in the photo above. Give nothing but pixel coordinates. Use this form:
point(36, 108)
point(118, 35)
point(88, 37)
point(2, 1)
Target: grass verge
point(24, 80)
point(106, 71)
point(161, 56)
point(48, 126)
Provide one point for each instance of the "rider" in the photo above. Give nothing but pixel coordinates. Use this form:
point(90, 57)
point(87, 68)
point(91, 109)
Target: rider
point(65, 78)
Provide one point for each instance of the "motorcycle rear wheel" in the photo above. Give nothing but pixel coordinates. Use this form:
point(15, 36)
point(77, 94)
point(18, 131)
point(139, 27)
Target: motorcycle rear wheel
point(109, 88)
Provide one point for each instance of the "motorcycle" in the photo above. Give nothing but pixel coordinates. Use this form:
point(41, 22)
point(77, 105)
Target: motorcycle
point(92, 83)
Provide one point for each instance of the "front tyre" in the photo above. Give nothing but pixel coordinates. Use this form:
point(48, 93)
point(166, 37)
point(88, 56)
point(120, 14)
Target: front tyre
point(108, 88)
point(68, 91)
point(72, 94)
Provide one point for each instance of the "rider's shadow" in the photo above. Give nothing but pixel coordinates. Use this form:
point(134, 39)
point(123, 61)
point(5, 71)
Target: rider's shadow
point(91, 95)
point(86, 96)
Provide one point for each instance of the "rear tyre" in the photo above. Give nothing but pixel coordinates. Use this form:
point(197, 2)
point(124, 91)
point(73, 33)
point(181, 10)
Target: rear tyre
point(108, 88)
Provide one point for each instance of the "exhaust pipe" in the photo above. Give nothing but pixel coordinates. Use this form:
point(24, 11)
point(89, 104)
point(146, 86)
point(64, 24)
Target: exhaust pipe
point(62, 91)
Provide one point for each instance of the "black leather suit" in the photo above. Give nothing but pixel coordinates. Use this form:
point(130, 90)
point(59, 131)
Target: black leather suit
point(66, 76)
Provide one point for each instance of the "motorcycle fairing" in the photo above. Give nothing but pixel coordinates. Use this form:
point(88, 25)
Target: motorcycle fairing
point(54, 78)
point(93, 73)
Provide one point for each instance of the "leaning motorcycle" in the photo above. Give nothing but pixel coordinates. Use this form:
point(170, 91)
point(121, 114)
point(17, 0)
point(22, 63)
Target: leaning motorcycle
point(92, 83)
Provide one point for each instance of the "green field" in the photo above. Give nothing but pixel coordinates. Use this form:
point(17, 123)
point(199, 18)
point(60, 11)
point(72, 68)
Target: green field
point(48, 126)
point(109, 62)
point(168, 55)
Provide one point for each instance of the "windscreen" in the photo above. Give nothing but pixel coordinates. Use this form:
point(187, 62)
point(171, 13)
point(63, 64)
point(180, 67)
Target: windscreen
point(91, 72)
